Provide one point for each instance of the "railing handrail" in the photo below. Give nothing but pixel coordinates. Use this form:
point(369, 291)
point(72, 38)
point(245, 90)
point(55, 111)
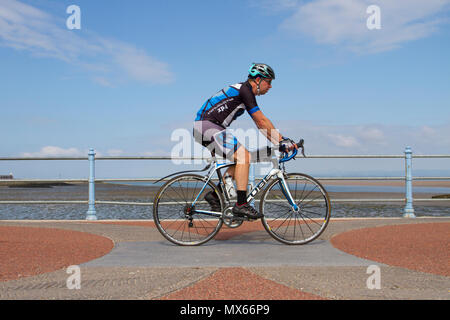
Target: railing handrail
point(399, 178)
point(91, 214)
point(367, 156)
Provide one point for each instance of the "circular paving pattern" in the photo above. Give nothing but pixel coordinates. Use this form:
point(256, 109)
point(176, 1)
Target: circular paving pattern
point(423, 247)
point(238, 284)
point(28, 251)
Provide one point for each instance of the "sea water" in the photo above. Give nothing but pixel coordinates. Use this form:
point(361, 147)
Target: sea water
point(144, 192)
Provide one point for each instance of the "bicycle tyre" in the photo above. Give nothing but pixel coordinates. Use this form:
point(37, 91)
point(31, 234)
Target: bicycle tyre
point(169, 211)
point(288, 226)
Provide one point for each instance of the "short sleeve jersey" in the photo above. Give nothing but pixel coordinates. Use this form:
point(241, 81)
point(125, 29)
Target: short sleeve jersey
point(228, 104)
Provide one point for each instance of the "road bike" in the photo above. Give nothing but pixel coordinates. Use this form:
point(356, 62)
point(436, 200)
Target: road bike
point(296, 208)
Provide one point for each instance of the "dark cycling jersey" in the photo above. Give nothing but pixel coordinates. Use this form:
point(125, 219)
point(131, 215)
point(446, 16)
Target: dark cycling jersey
point(228, 104)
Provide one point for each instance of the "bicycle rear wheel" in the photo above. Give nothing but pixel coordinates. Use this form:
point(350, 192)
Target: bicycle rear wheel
point(175, 216)
point(291, 226)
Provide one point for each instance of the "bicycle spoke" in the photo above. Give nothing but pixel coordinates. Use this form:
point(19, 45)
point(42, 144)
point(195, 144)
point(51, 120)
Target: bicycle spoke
point(193, 191)
point(295, 225)
point(175, 192)
point(289, 222)
point(176, 217)
point(177, 229)
point(310, 201)
point(281, 224)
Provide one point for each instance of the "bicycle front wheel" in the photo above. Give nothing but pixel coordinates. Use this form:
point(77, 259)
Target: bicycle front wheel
point(175, 210)
point(301, 225)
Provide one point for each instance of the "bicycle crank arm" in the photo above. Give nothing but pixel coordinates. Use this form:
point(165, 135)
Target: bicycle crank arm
point(207, 212)
point(243, 219)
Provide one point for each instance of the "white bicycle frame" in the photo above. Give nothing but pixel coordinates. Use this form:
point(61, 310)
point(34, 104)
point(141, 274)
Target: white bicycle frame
point(275, 172)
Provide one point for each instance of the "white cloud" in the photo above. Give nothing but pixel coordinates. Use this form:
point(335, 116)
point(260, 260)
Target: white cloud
point(24, 27)
point(53, 151)
point(274, 6)
point(345, 141)
point(427, 131)
point(114, 152)
point(370, 134)
point(367, 139)
point(104, 82)
point(343, 22)
point(155, 153)
point(139, 65)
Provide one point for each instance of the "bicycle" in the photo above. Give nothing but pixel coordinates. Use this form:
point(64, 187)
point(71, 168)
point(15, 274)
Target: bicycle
point(296, 207)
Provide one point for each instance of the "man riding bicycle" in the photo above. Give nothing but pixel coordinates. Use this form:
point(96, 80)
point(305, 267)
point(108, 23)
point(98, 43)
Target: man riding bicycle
point(217, 113)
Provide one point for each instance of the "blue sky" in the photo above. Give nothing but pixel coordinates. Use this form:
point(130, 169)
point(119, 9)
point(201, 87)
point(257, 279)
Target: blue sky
point(138, 70)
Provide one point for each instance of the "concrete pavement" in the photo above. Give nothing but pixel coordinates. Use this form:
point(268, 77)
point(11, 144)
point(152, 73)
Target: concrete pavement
point(143, 265)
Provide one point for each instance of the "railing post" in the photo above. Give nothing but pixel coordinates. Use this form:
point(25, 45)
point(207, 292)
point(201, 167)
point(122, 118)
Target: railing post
point(91, 213)
point(408, 212)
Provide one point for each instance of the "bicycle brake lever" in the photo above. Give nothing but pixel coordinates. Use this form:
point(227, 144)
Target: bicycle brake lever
point(301, 146)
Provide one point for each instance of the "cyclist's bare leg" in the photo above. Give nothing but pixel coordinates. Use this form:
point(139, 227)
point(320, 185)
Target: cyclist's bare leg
point(241, 169)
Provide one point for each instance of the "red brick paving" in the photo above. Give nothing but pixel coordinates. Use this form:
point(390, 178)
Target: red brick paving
point(423, 247)
point(28, 251)
point(238, 284)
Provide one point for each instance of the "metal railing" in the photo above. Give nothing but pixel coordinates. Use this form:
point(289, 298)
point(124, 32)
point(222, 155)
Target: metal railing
point(91, 202)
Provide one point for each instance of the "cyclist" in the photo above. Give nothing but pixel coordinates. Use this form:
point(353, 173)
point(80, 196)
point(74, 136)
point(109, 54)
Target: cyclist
point(217, 113)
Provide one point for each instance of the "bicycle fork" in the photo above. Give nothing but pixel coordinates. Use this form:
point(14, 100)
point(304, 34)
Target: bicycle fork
point(283, 186)
point(285, 189)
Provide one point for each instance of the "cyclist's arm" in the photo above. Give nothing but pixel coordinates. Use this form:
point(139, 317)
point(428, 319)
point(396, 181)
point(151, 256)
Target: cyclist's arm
point(266, 127)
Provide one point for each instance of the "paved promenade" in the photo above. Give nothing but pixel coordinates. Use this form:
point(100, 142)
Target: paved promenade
point(131, 260)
